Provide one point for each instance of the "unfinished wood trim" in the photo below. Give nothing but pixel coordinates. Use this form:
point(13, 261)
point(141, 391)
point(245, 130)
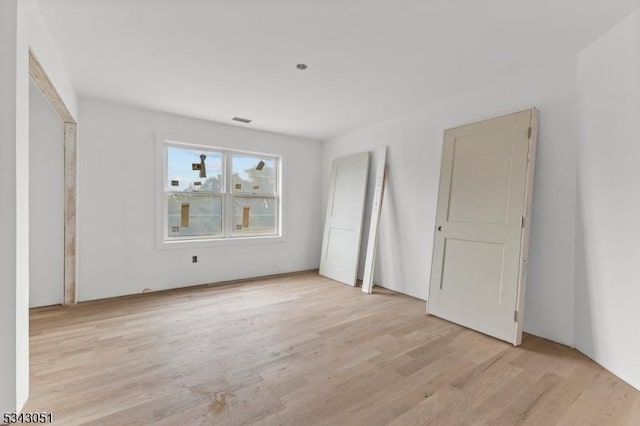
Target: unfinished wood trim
point(50, 93)
point(70, 204)
point(47, 88)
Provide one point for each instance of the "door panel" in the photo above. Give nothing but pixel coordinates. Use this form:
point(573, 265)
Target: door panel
point(477, 275)
point(340, 244)
point(473, 269)
point(480, 194)
point(344, 202)
point(343, 224)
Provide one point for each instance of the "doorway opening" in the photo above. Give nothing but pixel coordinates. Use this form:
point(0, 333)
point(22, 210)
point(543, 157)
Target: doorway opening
point(68, 182)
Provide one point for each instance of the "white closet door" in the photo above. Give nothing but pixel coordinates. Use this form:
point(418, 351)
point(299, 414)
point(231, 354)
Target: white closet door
point(343, 223)
point(480, 248)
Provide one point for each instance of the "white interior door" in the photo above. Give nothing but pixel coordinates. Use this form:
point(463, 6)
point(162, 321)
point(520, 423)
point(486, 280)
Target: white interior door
point(481, 240)
point(343, 223)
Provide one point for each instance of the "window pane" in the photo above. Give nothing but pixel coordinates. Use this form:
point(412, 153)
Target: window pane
point(182, 176)
point(254, 216)
point(253, 174)
point(192, 215)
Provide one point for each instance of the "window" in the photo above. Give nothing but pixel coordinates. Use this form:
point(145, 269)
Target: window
point(254, 194)
point(215, 194)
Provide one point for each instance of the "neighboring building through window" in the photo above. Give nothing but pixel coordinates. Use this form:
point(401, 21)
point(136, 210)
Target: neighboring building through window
point(213, 193)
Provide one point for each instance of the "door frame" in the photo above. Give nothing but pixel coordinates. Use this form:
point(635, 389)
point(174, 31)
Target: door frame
point(526, 225)
point(43, 82)
point(374, 223)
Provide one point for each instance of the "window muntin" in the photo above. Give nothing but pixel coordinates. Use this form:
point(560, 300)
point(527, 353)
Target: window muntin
point(238, 196)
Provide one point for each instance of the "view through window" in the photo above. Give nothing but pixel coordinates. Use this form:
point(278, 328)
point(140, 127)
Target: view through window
point(213, 193)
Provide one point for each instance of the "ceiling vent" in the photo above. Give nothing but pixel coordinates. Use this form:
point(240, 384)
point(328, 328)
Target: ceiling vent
point(242, 120)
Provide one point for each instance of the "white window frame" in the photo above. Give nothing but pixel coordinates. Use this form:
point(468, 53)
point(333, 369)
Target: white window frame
point(163, 241)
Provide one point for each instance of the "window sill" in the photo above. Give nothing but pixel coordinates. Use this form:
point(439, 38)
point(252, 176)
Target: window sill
point(219, 242)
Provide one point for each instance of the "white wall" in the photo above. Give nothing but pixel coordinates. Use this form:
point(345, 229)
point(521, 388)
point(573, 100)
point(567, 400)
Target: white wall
point(116, 215)
point(43, 47)
point(607, 226)
point(583, 282)
point(20, 29)
point(46, 201)
point(14, 271)
point(409, 207)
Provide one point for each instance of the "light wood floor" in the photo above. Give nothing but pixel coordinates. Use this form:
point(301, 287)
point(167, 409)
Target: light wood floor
point(303, 350)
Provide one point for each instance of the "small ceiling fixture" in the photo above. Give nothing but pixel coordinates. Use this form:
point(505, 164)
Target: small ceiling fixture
point(242, 120)
point(302, 67)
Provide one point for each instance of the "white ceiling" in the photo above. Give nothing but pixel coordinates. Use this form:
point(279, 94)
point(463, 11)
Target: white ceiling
point(368, 60)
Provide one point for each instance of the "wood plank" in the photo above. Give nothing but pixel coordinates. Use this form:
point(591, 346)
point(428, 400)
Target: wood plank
point(376, 208)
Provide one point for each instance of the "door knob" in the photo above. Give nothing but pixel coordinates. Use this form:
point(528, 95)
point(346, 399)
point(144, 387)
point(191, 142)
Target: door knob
point(440, 228)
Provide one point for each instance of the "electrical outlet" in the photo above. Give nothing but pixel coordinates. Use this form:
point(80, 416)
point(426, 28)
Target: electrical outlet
point(194, 259)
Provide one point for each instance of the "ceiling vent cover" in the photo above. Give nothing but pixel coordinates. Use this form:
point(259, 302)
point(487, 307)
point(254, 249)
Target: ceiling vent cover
point(242, 120)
